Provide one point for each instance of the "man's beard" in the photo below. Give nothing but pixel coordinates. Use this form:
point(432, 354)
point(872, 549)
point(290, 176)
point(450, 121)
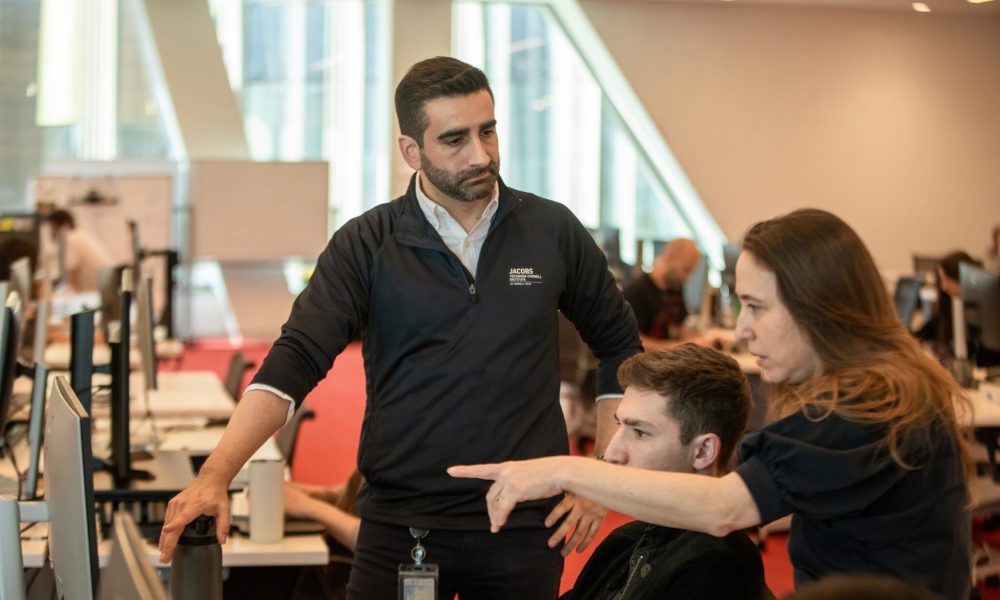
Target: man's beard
point(460, 185)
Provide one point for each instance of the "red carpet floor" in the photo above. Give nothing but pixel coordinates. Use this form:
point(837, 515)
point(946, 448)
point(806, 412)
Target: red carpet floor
point(327, 446)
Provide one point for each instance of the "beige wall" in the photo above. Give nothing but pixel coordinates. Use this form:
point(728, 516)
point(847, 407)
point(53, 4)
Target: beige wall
point(889, 119)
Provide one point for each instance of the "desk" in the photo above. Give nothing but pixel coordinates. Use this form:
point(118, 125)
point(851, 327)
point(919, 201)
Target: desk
point(239, 551)
point(56, 354)
point(985, 413)
point(183, 394)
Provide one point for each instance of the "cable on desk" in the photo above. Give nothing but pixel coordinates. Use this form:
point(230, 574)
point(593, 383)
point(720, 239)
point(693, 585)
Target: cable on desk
point(28, 526)
point(17, 471)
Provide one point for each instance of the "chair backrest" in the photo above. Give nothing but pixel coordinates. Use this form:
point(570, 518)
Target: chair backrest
point(289, 434)
point(238, 365)
point(906, 297)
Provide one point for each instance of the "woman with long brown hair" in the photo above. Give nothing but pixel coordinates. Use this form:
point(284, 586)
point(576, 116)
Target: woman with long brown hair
point(865, 451)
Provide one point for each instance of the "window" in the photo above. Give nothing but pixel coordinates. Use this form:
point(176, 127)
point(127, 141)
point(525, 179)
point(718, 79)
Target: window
point(570, 130)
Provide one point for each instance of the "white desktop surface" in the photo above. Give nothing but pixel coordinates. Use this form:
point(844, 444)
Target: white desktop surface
point(985, 413)
point(57, 354)
point(239, 551)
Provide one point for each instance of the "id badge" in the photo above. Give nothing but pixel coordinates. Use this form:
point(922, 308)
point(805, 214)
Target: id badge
point(418, 581)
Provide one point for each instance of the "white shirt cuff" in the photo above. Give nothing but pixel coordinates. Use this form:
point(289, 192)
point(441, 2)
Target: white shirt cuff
point(266, 388)
point(609, 397)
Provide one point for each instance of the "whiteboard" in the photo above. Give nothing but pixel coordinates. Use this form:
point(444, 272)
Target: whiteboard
point(144, 199)
point(244, 211)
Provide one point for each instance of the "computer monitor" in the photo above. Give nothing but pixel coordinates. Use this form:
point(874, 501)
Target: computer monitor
point(137, 254)
point(906, 297)
point(925, 268)
point(10, 315)
point(981, 302)
point(694, 287)
point(121, 458)
point(609, 239)
point(20, 278)
point(730, 254)
point(69, 494)
point(109, 282)
point(144, 325)
point(81, 356)
point(129, 575)
point(39, 373)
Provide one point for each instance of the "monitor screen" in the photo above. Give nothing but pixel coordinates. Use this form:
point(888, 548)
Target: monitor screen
point(10, 315)
point(110, 282)
point(981, 300)
point(129, 575)
point(694, 287)
point(40, 374)
point(133, 228)
point(730, 254)
point(20, 278)
point(69, 493)
point(906, 297)
point(144, 324)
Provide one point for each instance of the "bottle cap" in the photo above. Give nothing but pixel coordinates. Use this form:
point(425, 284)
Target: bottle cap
point(200, 532)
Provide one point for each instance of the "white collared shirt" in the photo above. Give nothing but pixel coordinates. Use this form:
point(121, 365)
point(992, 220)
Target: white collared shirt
point(465, 245)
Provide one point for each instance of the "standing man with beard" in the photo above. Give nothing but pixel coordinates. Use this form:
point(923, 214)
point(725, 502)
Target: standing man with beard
point(454, 289)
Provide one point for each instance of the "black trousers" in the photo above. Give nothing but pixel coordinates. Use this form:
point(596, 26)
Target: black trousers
point(477, 565)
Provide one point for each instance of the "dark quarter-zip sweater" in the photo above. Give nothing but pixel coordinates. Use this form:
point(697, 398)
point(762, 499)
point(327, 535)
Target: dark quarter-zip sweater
point(461, 368)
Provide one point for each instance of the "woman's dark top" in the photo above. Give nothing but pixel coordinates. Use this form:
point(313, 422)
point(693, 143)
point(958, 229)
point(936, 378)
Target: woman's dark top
point(855, 510)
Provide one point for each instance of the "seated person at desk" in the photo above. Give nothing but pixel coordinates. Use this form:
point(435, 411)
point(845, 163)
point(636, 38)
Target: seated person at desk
point(684, 411)
point(82, 256)
point(939, 331)
point(657, 297)
point(866, 452)
point(334, 508)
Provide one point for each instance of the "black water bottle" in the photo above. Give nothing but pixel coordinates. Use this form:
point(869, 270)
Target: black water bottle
point(197, 564)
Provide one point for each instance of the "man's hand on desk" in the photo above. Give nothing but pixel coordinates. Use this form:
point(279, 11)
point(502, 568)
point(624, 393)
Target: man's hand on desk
point(206, 496)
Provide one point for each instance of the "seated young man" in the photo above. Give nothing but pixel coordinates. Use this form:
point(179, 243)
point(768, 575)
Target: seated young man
point(684, 410)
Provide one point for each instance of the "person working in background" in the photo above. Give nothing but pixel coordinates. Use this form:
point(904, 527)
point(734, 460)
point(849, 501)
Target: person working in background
point(335, 509)
point(657, 297)
point(454, 289)
point(78, 256)
point(866, 452)
point(939, 330)
point(684, 411)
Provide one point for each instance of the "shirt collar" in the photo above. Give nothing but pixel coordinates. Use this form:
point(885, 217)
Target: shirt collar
point(435, 212)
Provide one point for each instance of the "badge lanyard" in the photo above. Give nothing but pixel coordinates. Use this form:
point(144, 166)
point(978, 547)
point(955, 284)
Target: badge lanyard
point(418, 581)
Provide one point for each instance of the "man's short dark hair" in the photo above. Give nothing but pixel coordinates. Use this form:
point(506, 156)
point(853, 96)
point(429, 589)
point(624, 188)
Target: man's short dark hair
point(705, 389)
point(437, 77)
point(61, 217)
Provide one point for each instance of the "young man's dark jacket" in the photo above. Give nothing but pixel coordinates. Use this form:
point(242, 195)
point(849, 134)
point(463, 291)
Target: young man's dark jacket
point(643, 561)
point(459, 369)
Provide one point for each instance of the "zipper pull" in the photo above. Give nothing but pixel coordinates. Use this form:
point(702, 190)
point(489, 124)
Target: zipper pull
point(473, 294)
